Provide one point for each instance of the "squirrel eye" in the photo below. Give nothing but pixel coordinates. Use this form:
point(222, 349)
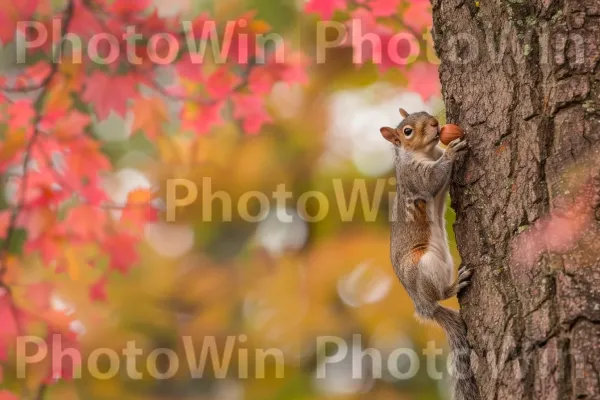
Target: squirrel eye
point(408, 131)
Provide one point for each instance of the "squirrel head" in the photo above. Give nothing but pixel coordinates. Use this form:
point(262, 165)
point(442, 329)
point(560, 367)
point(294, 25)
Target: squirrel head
point(417, 132)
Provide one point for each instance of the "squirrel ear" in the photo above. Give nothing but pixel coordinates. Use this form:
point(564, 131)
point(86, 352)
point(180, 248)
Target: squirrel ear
point(390, 135)
point(403, 113)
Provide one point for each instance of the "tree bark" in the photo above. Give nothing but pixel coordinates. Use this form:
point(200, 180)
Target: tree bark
point(527, 194)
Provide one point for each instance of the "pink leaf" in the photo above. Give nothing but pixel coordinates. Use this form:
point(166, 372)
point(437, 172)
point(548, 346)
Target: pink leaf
point(384, 8)
point(423, 78)
point(189, 67)
point(418, 15)
point(21, 113)
point(557, 232)
point(250, 109)
point(221, 83)
point(325, 8)
point(201, 118)
point(294, 71)
point(261, 80)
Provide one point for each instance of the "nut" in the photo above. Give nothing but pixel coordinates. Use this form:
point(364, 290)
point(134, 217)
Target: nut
point(449, 133)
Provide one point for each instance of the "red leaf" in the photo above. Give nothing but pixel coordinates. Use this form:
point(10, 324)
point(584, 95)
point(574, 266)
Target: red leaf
point(106, 93)
point(62, 367)
point(128, 9)
point(84, 24)
point(39, 295)
point(87, 222)
point(21, 113)
point(11, 12)
point(98, 290)
point(122, 250)
point(139, 210)
point(261, 80)
point(9, 328)
point(6, 395)
point(66, 126)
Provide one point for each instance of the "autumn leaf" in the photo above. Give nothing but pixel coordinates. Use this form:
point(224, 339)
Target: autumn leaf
point(201, 118)
point(108, 93)
point(122, 252)
point(250, 109)
point(384, 8)
point(10, 13)
point(325, 8)
point(9, 328)
point(422, 79)
point(6, 395)
point(13, 143)
point(221, 83)
point(127, 9)
point(64, 85)
point(84, 160)
point(98, 290)
point(418, 15)
point(139, 210)
point(86, 222)
point(150, 115)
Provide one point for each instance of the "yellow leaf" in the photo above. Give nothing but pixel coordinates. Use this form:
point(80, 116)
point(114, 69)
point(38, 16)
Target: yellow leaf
point(73, 267)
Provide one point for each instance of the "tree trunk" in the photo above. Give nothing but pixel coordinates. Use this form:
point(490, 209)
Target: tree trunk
point(522, 78)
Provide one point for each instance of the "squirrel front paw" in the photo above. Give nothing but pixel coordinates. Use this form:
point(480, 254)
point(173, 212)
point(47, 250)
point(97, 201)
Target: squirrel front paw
point(455, 147)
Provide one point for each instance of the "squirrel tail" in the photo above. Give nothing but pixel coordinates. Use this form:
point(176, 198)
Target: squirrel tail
point(463, 379)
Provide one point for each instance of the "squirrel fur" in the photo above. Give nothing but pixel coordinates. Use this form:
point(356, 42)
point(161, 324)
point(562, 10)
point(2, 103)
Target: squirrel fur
point(419, 243)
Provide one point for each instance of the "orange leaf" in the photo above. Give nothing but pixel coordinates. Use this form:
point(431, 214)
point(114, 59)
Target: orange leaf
point(12, 144)
point(140, 196)
point(150, 114)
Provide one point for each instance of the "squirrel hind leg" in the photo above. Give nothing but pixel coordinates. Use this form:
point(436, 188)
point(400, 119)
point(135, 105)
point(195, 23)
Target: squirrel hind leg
point(435, 272)
point(462, 281)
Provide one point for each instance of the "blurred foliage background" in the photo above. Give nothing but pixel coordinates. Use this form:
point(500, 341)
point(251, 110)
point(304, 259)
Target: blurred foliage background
point(279, 284)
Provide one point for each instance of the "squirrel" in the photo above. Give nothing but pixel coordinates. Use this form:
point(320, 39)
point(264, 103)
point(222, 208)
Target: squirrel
point(419, 242)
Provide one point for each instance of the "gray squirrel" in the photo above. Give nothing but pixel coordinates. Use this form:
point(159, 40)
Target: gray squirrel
point(419, 241)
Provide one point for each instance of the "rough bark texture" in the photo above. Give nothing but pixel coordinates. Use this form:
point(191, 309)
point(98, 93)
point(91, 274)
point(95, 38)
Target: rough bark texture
point(527, 193)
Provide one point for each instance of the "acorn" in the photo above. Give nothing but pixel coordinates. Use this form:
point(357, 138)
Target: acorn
point(449, 133)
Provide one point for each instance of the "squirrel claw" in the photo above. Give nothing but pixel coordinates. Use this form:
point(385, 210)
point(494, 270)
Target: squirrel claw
point(464, 273)
point(462, 285)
